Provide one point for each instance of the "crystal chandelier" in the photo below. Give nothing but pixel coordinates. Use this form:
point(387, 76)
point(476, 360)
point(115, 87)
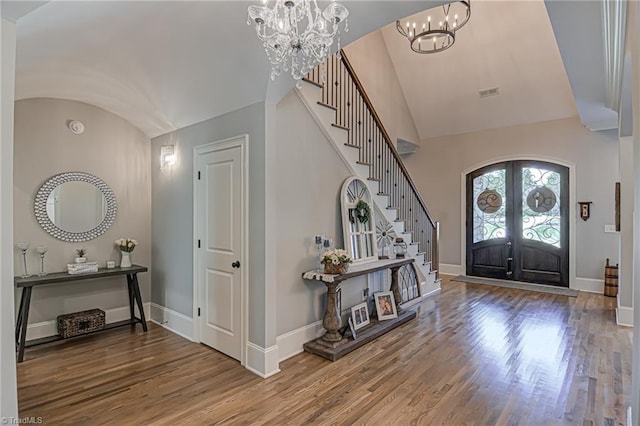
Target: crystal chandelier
point(297, 35)
point(438, 32)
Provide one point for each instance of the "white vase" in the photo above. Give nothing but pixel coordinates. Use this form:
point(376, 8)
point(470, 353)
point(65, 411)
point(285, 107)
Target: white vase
point(81, 259)
point(125, 262)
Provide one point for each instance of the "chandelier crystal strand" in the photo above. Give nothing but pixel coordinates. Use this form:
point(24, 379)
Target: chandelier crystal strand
point(438, 29)
point(297, 35)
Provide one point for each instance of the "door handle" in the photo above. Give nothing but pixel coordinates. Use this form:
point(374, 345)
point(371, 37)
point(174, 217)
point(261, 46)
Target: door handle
point(235, 264)
point(509, 266)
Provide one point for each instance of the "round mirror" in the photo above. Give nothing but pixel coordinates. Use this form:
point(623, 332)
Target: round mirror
point(75, 206)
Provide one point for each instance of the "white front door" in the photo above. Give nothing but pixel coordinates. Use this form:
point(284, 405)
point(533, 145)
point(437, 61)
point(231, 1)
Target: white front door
point(220, 218)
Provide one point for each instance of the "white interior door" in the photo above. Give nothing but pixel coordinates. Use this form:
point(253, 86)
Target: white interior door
point(220, 217)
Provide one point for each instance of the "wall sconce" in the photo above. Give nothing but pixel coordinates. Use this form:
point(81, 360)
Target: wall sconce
point(585, 209)
point(167, 156)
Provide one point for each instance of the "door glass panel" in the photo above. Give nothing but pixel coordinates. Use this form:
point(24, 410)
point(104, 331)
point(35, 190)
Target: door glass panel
point(489, 197)
point(541, 205)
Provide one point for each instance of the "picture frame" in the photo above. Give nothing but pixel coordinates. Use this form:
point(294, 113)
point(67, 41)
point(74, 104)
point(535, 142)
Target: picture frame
point(360, 315)
point(352, 329)
point(385, 305)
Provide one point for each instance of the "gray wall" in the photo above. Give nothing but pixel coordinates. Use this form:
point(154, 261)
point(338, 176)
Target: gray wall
point(437, 166)
point(8, 390)
point(370, 59)
point(173, 212)
point(627, 200)
point(111, 149)
point(308, 200)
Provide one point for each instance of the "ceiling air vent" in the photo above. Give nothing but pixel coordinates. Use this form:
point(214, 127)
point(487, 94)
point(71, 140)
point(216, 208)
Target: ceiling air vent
point(494, 91)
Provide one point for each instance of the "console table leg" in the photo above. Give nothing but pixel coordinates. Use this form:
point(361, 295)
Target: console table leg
point(331, 319)
point(132, 313)
point(24, 316)
point(19, 320)
point(394, 287)
point(138, 297)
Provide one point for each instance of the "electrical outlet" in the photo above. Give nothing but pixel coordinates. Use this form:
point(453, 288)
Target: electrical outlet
point(610, 228)
point(365, 294)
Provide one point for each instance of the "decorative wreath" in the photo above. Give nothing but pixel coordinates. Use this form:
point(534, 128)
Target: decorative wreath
point(362, 211)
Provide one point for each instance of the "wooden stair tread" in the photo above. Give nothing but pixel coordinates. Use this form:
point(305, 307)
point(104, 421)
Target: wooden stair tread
point(313, 82)
point(363, 163)
point(374, 179)
point(351, 145)
point(340, 127)
point(327, 106)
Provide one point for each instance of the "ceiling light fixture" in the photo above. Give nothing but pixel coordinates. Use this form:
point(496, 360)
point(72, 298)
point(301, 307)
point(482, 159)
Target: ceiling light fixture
point(438, 31)
point(297, 35)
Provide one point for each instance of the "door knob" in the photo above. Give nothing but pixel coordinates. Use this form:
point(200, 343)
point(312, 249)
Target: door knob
point(235, 264)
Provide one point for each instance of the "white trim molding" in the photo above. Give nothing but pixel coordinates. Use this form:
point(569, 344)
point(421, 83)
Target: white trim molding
point(291, 343)
point(173, 321)
point(590, 285)
point(42, 329)
point(448, 269)
point(262, 361)
point(624, 316)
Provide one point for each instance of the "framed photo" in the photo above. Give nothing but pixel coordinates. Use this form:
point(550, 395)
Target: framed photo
point(352, 328)
point(385, 305)
point(360, 315)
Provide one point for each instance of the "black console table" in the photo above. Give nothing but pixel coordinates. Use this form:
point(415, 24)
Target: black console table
point(27, 285)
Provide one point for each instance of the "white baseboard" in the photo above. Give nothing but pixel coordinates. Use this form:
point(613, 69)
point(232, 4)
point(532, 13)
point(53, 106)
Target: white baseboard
point(173, 321)
point(589, 285)
point(39, 330)
point(291, 343)
point(431, 293)
point(624, 316)
point(448, 269)
point(262, 361)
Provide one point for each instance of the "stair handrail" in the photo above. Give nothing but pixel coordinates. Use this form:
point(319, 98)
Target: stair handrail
point(387, 138)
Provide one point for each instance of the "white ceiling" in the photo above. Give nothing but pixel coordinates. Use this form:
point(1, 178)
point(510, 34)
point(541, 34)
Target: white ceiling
point(505, 44)
point(166, 65)
point(160, 65)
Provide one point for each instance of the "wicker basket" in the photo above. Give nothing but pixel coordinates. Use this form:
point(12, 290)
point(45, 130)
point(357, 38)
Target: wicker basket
point(330, 268)
point(78, 323)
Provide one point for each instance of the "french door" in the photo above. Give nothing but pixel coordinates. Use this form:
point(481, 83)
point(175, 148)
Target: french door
point(518, 222)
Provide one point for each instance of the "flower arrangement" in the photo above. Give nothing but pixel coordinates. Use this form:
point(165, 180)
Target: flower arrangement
point(336, 261)
point(126, 244)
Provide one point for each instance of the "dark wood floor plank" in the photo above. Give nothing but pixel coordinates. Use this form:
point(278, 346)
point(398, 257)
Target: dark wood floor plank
point(474, 355)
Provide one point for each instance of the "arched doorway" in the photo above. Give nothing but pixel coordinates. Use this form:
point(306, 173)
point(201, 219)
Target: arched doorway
point(518, 222)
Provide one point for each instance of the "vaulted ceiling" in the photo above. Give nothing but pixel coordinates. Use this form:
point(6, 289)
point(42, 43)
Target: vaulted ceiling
point(167, 65)
point(505, 45)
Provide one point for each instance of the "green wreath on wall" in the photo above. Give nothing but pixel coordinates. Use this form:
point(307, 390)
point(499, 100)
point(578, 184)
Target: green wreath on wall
point(362, 211)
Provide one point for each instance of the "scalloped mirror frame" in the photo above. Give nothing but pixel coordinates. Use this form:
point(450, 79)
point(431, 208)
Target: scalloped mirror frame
point(40, 207)
point(354, 189)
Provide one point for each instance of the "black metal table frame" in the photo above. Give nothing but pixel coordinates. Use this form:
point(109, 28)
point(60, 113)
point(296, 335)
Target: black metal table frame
point(27, 285)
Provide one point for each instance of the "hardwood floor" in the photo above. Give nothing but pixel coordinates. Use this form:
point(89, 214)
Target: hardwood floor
point(475, 355)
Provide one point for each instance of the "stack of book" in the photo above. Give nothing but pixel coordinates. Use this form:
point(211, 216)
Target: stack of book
point(82, 268)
